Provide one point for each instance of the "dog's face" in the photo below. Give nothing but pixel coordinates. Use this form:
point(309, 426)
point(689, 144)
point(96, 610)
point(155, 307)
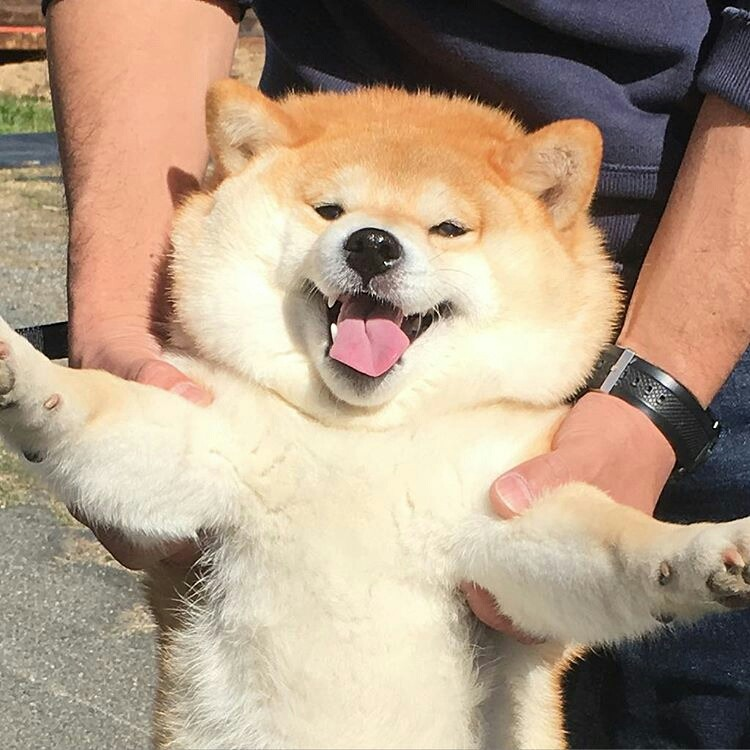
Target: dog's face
point(382, 248)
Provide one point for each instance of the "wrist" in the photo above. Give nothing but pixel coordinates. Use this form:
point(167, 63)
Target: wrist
point(670, 359)
point(689, 428)
point(625, 453)
point(117, 262)
point(607, 443)
point(629, 426)
point(93, 338)
point(115, 299)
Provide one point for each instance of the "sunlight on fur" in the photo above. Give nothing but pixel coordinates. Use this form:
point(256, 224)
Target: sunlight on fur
point(393, 298)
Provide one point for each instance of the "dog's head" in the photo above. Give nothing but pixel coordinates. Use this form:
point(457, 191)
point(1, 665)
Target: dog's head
point(383, 250)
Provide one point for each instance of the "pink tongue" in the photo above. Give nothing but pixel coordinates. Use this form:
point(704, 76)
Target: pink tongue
point(369, 337)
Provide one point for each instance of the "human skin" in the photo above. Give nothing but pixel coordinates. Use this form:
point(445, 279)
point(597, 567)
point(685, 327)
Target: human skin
point(128, 79)
point(115, 308)
point(689, 314)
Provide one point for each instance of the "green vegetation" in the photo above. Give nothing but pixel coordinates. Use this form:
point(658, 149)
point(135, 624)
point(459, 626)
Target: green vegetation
point(25, 114)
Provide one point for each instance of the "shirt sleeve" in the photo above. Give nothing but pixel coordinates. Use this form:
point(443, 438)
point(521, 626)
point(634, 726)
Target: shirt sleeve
point(243, 5)
point(726, 72)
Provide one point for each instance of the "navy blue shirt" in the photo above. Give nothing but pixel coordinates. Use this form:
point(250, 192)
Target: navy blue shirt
point(637, 68)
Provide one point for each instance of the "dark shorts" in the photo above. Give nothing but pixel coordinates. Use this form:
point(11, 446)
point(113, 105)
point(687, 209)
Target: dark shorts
point(690, 687)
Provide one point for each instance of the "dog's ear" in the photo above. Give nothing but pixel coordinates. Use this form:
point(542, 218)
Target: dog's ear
point(558, 164)
point(241, 123)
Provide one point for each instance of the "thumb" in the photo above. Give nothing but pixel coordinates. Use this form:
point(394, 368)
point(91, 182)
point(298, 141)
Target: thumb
point(162, 375)
point(517, 490)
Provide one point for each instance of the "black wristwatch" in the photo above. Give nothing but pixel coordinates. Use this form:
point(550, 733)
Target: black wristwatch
point(691, 430)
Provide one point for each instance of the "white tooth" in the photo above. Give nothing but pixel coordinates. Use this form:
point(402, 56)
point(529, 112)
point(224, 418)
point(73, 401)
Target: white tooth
point(332, 301)
point(334, 331)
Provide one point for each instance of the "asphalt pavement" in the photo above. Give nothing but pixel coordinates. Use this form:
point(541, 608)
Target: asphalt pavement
point(77, 647)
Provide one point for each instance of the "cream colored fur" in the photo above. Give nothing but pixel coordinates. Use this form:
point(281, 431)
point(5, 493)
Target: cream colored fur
point(337, 519)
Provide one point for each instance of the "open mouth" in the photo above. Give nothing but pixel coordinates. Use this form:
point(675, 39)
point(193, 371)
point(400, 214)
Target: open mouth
point(370, 335)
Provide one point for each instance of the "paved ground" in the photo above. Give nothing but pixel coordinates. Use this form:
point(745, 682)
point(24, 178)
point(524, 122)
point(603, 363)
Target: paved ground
point(32, 245)
point(77, 665)
point(29, 150)
point(77, 645)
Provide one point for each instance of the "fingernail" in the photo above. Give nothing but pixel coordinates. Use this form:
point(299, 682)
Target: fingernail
point(191, 392)
point(512, 491)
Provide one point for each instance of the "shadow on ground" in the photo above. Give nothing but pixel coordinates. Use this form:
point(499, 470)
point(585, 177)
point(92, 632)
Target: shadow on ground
point(78, 667)
point(77, 644)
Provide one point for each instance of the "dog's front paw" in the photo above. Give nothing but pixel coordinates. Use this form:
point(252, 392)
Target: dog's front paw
point(7, 377)
point(8, 368)
point(711, 572)
point(28, 398)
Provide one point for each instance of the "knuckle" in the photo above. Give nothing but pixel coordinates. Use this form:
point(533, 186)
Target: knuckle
point(557, 467)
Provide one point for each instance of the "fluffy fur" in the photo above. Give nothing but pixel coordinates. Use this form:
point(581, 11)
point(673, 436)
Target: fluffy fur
point(339, 513)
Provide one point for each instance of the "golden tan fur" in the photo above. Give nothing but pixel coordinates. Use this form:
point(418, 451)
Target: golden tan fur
point(339, 512)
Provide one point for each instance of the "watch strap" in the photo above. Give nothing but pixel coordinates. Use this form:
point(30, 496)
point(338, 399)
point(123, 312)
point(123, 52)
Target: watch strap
point(690, 429)
point(51, 339)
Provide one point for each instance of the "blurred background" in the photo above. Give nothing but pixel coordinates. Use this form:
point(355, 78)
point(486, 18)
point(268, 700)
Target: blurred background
point(77, 669)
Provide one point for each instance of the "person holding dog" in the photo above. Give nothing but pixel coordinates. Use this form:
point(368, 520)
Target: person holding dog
point(667, 84)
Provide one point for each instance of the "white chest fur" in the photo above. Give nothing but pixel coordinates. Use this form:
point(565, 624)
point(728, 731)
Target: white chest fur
point(332, 614)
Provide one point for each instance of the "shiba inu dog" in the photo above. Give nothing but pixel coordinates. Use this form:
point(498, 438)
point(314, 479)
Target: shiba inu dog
point(393, 298)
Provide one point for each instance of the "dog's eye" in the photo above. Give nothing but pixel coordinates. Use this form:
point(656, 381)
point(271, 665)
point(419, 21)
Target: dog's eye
point(448, 229)
point(329, 211)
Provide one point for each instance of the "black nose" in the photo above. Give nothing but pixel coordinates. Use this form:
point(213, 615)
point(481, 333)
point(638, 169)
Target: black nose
point(371, 252)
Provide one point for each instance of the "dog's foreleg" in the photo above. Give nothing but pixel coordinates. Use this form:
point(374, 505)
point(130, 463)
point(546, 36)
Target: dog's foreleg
point(578, 567)
point(122, 455)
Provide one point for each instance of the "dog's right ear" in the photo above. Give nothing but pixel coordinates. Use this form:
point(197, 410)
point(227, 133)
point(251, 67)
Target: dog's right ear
point(241, 123)
point(559, 165)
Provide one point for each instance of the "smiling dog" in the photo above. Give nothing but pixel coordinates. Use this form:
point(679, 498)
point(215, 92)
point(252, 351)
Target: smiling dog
point(393, 298)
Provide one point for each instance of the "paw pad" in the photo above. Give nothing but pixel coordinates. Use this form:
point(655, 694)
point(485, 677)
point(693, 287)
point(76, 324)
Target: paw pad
point(733, 559)
point(52, 402)
point(731, 586)
point(665, 573)
point(7, 381)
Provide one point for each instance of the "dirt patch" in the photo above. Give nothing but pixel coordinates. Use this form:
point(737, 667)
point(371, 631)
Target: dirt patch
point(18, 487)
point(248, 59)
point(25, 79)
point(137, 619)
point(84, 549)
point(32, 200)
point(32, 246)
point(15, 484)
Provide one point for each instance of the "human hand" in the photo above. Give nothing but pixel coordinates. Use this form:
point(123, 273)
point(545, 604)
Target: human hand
point(603, 441)
point(131, 354)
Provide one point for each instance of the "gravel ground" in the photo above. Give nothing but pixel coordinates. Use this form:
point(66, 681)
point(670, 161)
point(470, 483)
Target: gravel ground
point(78, 650)
point(32, 246)
point(77, 668)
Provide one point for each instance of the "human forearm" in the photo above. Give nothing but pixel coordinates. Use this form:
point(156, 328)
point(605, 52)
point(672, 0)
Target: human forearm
point(690, 312)
point(129, 79)
point(690, 315)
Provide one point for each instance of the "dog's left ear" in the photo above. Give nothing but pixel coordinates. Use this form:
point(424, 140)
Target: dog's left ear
point(559, 165)
point(241, 123)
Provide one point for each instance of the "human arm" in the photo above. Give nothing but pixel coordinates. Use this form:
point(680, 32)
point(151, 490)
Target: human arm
point(689, 315)
point(128, 79)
